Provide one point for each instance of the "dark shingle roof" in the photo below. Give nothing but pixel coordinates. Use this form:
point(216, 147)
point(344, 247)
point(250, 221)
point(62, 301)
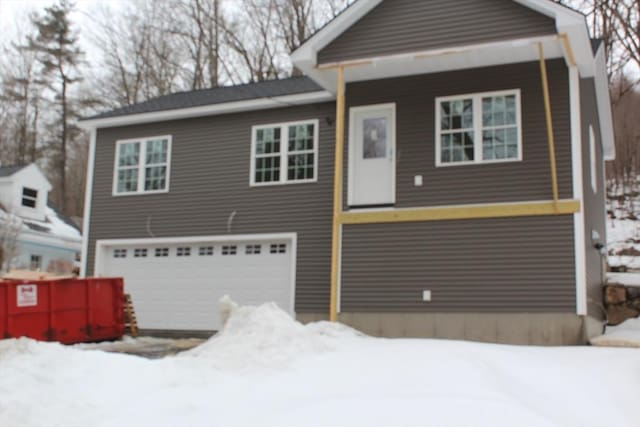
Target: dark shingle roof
point(220, 95)
point(9, 170)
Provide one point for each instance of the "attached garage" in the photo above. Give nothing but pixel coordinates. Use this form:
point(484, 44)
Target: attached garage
point(176, 283)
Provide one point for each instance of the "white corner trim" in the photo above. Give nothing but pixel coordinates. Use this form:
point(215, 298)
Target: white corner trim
point(88, 193)
point(339, 299)
point(607, 134)
point(210, 110)
point(578, 189)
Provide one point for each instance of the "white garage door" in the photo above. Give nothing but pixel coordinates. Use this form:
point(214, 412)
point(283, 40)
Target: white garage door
point(176, 283)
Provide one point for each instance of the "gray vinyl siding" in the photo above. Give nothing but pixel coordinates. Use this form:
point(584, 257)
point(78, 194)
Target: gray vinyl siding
point(594, 203)
point(527, 180)
point(513, 264)
point(488, 265)
point(210, 180)
point(397, 26)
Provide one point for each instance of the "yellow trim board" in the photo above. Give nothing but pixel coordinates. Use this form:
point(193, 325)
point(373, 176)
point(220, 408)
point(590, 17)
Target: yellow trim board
point(498, 210)
point(337, 197)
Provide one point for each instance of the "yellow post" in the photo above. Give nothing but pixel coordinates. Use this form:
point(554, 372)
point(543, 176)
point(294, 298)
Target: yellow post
point(550, 138)
point(337, 197)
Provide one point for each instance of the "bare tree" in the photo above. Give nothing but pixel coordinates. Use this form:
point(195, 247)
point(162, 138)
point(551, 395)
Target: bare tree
point(10, 226)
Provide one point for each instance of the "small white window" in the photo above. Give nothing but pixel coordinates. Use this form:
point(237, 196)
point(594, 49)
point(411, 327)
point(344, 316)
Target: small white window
point(29, 197)
point(142, 166)
point(593, 157)
point(162, 252)
point(253, 249)
point(140, 253)
point(185, 251)
point(205, 251)
point(478, 128)
point(278, 248)
point(229, 250)
point(284, 153)
point(119, 253)
point(36, 262)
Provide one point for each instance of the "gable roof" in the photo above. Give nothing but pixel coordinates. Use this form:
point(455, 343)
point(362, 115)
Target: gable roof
point(10, 170)
point(266, 90)
point(568, 21)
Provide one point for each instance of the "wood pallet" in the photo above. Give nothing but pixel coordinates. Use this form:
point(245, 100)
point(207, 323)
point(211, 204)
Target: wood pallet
point(130, 319)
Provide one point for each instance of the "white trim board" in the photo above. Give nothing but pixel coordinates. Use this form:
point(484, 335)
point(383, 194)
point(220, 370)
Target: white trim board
point(578, 183)
point(88, 195)
point(209, 110)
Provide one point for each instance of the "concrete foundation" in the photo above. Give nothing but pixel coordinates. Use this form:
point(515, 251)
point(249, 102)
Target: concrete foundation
point(505, 328)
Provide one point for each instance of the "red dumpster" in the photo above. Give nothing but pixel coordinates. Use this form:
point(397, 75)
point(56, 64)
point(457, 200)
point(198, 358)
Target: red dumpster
point(65, 310)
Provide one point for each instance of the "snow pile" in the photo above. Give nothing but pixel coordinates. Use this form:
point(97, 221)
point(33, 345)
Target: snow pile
point(624, 279)
point(333, 378)
point(59, 227)
point(626, 334)
point(266, 336)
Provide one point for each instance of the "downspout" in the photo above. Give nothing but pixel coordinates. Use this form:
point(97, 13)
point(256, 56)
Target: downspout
point(337, 197)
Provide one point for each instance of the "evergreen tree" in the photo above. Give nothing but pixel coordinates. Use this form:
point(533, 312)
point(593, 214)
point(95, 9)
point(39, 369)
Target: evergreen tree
point(56, 46)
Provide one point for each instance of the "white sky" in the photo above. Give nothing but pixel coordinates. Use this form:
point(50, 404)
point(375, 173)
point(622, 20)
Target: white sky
point(14, 18)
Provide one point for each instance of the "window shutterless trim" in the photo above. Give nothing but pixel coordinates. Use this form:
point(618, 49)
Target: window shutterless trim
point(142, 164)
point(284, 152)
point(477, 127)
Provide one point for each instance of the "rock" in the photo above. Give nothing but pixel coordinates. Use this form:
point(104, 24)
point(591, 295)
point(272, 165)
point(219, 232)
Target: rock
point(633, 292)
point(634, 304)
point(615, 294)
point(617, 314)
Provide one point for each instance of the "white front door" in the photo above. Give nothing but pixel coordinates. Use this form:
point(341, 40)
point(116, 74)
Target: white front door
point(372, 168)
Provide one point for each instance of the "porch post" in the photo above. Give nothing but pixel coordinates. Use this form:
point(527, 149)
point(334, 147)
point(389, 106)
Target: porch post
point(336, 238)
point(550, 137)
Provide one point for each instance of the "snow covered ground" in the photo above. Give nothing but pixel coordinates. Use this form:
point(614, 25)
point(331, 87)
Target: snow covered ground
point(264, 369)
point(626, 334)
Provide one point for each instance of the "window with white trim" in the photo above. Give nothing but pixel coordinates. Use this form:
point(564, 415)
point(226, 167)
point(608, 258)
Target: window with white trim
point(35, 263)
point(592, 158)
point(284, 153)
point(478, 128)
point(142, 165)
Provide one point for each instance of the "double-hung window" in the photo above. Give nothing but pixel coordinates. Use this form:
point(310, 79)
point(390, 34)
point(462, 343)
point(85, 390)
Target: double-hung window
point(142, 165)
point(284, 153)
point(478, 128)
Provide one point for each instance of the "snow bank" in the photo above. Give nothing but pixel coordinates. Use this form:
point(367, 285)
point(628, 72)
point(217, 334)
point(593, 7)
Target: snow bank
point(626, 334)
point(266, 336)
point(333, 377)
point(625, 279)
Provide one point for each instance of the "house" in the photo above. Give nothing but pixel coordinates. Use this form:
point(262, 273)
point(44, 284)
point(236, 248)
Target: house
point(438, 172)
point(35, 236)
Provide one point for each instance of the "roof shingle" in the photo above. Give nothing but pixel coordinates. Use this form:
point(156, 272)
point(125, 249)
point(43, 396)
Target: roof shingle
point(219, 95)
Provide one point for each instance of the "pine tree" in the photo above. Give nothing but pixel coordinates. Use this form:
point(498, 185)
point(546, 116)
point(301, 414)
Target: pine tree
point(56, 46)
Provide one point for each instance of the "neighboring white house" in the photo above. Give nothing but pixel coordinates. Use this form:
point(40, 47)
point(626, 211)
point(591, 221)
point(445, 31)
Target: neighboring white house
point(43, 239)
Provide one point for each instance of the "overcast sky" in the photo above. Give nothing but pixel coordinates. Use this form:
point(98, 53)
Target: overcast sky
point(14, 17)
